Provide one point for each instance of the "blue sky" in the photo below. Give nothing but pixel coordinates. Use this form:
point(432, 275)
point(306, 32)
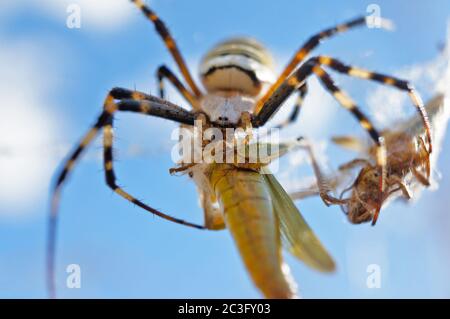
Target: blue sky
point(53, 82)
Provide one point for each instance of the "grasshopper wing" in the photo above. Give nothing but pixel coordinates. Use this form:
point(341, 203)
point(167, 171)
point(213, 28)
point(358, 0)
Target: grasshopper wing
point(296, 235)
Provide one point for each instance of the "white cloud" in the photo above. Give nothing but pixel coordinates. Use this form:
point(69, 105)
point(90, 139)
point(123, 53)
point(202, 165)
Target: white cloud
point(30, 143)
point(98, 14)
point(389, 105)
point(26, 127)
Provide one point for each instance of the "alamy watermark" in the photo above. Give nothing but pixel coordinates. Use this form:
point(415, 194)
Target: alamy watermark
point(73, 280)
point(73, 20)
point(224, 145)
point(373, 19)
point(374, 278)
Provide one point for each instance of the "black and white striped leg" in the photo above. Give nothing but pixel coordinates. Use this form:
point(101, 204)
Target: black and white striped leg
point(306, 48)
point(297, 79)
point(348, 104)
point(383, 79)
point(170, 43)
point(302, 91)
point(164, 72)
point(131, 101)
point(111, 178)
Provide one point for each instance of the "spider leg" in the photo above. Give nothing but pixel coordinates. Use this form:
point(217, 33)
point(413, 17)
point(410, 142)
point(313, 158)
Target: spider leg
point(133, 102)
point(110, 177)
point(282, 93)
point(347, 103)
point(164, 33)
point(137, 102)
point(295, 80)
point(306, 48)
point(302, 91)
point(164, 72)
point(384, 79)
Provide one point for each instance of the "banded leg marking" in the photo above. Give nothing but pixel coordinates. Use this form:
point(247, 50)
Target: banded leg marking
point(170, 43)
point(307, 47)
point(363, 120)
point(302, 91)
point(297, 79)
point(138, 103)
point(165, 73)
point(384, 79)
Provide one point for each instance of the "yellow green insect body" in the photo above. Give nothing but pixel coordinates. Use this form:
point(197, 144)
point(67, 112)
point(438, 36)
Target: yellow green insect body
point(248, 212)
point(261, 217)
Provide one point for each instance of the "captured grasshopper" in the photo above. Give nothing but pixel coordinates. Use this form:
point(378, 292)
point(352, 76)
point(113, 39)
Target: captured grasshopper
point(409, 166)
